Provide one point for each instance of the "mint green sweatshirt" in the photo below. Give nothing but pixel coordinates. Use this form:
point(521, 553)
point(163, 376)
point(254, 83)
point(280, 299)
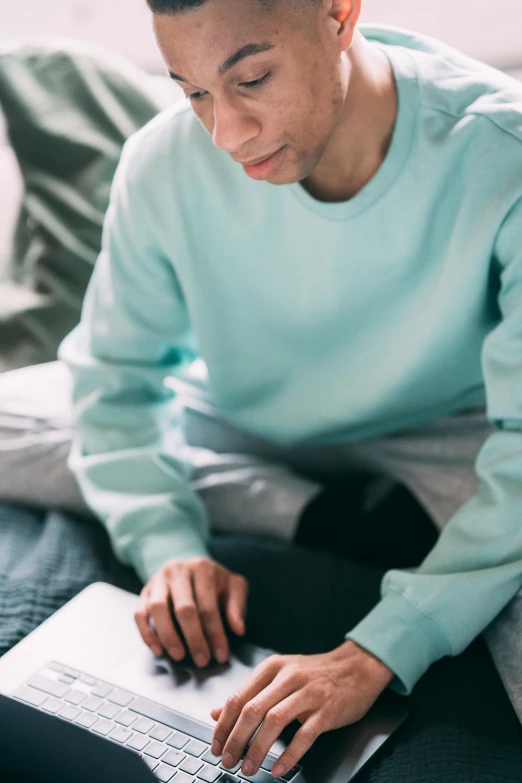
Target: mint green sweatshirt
point(320, 323)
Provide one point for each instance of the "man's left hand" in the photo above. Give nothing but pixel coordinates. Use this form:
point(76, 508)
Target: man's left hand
point(322, 692)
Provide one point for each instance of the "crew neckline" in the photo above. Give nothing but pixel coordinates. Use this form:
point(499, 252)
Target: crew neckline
point(406, 79)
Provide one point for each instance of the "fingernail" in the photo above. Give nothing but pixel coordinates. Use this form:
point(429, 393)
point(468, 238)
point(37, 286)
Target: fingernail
point(248, 767)
point(200, 659)
point(276, 770)
point(221, 655)
point(176, 652)
point(215, 748)
point(227, 760)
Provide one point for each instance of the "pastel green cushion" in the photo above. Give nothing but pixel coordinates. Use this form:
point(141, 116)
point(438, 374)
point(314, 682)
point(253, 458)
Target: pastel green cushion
point(69, 107)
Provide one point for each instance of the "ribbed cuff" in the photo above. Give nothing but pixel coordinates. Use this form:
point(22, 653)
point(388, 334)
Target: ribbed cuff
point(402, 637)
point(150, 553)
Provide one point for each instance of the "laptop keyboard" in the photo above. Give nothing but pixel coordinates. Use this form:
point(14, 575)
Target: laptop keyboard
point(170, 743)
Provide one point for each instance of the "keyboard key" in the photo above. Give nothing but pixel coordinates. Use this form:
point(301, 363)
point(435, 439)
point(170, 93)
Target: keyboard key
point(88, 680)
point(121, 698)
point(55, 666)
point(71, 672)
point(152, 763)
point(121, 734)
point(104, 727)
point(164, 772)
point(74, 697)
point(160, 733)
point(161, 714)
point(138, 742)
point(191, 765)
point(108, 711)
point(86, 719)
point(232, 769)
point(144, 725)
point(208, 773)
point(126, 718)
point(290, 774)
point(227, 777)
point(92, 704)
point(102, 690)
point(52, 705)
point(69, 712)
point(53, 688)
point(261, 776)
point(178, 740)
point(182, 777)
point(173, 757)
point(155, 749)
point(268, 763)
point(209, 757)
point(66, 678)
point(195, 747)
point(36, 698)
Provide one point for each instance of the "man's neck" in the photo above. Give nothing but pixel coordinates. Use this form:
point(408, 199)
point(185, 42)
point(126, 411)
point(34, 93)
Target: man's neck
point(363, 134)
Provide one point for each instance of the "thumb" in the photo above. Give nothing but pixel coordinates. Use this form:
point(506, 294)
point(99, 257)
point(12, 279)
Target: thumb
point(235, 603)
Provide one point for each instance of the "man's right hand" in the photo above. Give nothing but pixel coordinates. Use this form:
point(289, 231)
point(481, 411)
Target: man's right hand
point(196, 589)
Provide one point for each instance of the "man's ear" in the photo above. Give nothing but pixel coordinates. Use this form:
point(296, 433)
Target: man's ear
point(346, 13)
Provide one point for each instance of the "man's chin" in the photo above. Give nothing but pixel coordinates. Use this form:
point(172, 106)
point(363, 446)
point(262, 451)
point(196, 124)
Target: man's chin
point(281, 180)
point(286, 175)
point(285, 172)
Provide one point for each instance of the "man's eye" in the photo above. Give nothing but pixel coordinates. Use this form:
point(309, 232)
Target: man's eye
point(197, 96)
point(194, 96)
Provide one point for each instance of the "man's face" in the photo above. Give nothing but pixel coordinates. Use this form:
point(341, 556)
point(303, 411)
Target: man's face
point(302, 88)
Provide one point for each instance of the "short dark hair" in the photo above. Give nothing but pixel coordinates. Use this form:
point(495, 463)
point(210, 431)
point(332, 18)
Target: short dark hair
point(173, 6)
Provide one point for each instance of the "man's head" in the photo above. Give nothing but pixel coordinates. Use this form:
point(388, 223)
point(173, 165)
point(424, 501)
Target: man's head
point(289, 94)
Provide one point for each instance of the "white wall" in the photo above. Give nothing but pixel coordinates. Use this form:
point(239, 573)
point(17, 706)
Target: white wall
point(488, 29)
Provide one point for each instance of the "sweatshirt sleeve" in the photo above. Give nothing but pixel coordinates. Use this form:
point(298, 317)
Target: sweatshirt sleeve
point(134, 332)
point(475, 568)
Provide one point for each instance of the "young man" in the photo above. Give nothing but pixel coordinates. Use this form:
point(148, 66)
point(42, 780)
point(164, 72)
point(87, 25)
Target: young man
point(334, 225)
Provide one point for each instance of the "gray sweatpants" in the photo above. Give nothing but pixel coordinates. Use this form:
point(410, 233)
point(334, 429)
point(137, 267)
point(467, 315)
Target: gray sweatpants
point(233, 471)
point(243, 477)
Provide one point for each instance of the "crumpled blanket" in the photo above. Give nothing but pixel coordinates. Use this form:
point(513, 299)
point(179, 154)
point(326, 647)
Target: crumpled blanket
point(46, 558)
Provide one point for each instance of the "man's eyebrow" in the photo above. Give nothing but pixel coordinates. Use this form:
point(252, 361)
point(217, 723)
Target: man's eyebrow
point(245, 51)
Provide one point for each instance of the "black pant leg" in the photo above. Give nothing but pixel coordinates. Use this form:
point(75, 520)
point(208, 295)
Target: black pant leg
point(293, 605)
point(395, 533)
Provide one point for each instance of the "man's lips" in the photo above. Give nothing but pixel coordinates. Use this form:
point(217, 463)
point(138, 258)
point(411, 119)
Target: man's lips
point(257, 160)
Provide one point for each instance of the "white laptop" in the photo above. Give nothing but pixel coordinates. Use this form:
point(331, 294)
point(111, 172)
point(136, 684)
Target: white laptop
point(84, 687)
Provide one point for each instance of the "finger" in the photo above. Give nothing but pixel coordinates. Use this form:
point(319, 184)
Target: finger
point(252, 716)
point(141, 618)
point(236, 602)
point(215, 713)
point(260, 678)
point(303, 740)
point(158, 608)
point(187, 615)
point(276, 719)
point(207, 602)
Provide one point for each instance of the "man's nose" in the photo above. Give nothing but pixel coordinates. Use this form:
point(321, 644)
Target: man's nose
point(233, 127)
